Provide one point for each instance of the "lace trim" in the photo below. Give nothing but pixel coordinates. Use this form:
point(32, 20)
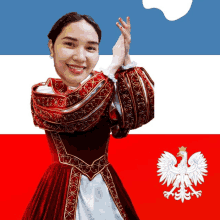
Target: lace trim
point(112, 76)
point(130, 65)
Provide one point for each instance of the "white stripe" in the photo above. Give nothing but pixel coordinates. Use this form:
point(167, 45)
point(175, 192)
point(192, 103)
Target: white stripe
point(187, 92)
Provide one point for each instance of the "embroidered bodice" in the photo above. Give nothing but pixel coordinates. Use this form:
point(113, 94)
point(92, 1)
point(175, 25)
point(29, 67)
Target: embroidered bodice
point(78, 123)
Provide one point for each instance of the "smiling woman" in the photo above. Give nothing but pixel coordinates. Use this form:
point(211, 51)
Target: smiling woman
point(75, 52)
point(78, 112)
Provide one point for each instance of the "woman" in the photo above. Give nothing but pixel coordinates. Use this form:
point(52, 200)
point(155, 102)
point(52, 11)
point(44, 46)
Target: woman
point(78, 112)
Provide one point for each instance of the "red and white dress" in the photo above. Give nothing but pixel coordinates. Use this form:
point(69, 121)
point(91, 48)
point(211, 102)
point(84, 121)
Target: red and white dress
point(80, 183)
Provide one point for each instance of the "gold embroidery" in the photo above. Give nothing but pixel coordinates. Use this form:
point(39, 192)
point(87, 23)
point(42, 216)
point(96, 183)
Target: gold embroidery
point(81, 119)
point(66, 99)
point(131, 84)
point(107, 177)
point(141, 102)
point(125, 100)
point(136, 109)
point(72, 194)
point(88, 170)
point(55, 115)
point(145, 76)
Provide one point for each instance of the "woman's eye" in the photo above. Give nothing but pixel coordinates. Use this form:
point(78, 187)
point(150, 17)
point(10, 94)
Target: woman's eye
point(70, 44)
point(91, 48)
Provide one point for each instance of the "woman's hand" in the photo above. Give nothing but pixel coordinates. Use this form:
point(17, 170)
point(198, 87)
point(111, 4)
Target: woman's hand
point(125, 29)
point(118, 52)
point(121, 48)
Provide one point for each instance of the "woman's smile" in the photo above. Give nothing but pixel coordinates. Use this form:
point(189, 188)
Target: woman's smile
point(76, 69)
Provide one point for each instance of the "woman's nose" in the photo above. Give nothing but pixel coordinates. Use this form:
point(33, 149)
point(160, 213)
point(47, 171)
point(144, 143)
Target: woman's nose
point(80, 55)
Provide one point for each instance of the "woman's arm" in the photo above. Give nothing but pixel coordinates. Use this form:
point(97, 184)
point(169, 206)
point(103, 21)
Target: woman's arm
point(134, 98)
point(127, 60)
point(133, 101)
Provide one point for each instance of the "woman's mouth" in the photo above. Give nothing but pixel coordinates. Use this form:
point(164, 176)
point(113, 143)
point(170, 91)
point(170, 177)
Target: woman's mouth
point(76, 69)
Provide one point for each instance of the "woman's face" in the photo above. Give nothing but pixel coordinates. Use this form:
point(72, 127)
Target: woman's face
point(75, 52)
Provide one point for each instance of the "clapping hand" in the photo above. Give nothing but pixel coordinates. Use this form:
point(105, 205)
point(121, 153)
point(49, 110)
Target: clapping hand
point(122, 46)
point(125, 29)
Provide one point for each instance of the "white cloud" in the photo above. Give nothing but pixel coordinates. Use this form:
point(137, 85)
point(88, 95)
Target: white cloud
point(172, 9)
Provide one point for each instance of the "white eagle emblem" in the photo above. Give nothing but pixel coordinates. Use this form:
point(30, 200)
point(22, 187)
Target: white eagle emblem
point(182, 176)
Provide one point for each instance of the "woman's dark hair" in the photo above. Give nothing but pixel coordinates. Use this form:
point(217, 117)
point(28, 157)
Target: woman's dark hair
point(70, 18)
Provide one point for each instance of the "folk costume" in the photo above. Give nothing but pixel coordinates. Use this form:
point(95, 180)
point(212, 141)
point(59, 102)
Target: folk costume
point(80, 183)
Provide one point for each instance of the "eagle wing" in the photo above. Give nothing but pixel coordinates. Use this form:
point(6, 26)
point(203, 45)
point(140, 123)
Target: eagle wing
point(167, 170)
point(197, 168)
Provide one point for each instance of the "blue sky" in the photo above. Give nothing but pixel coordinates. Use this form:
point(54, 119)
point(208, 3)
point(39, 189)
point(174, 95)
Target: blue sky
point(25, 25)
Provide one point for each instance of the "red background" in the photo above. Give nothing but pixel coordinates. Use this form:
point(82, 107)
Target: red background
point(24, 159)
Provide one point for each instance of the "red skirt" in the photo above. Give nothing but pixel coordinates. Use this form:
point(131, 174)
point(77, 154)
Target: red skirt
point(57, 194)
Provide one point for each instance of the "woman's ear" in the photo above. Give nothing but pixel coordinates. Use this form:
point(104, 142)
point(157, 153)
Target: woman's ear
point(50, 45)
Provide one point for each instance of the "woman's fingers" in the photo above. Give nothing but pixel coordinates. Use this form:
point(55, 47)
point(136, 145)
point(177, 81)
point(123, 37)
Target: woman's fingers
point(127, 24)
point(125, 29)
point(124, 32)
point(124, 25)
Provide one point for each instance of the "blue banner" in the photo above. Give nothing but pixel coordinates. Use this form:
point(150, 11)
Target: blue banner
point(25, 25)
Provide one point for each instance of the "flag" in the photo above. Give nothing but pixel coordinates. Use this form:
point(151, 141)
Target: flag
point(181, 56)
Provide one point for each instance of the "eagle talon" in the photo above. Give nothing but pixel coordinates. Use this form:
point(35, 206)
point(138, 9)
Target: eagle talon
point(197, 193)
point(167, 194)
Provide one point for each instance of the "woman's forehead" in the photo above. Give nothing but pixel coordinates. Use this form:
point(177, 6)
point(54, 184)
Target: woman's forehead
point(80, 30)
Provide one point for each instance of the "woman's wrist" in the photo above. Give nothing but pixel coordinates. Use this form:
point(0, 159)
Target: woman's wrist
point(112, 69)
point(127, 60)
